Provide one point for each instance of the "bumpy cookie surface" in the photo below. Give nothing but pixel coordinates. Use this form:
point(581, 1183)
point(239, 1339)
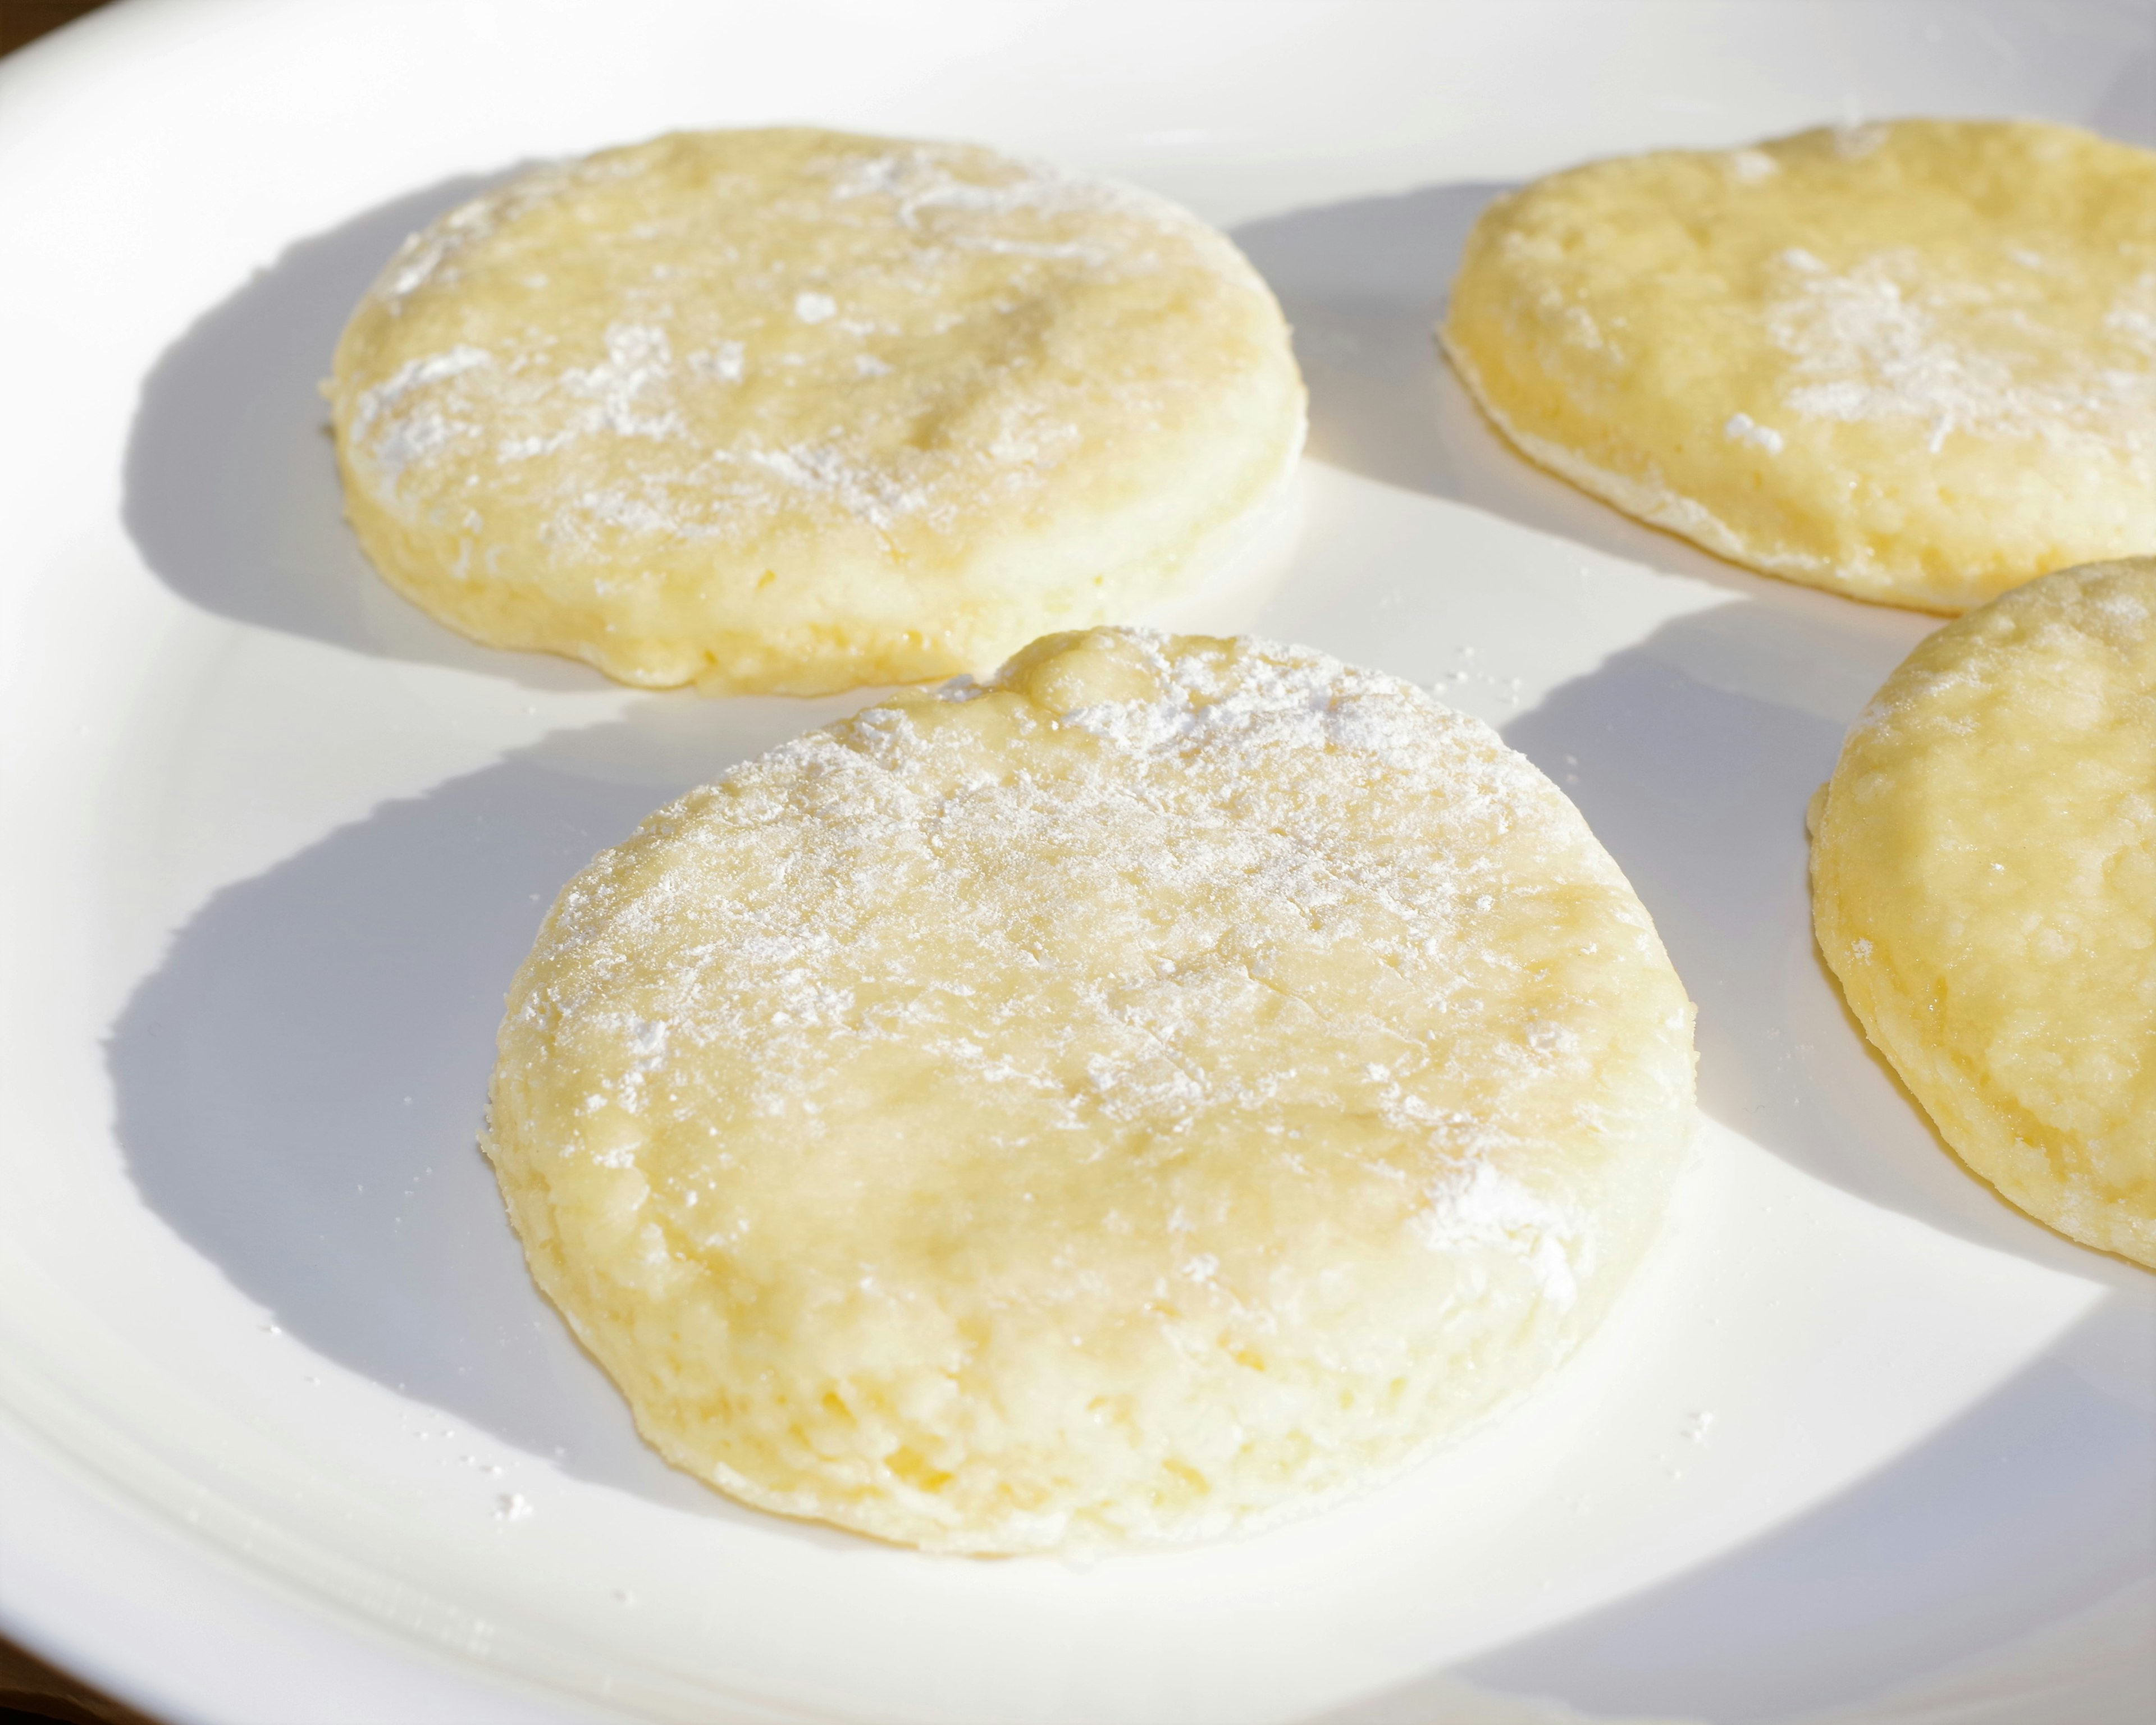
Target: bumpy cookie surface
point(1172, 1083)
point(1983, 883)
point(1913, 362)
point(797, 411)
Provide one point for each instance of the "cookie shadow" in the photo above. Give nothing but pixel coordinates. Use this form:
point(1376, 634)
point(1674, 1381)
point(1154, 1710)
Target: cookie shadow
point(1364, 284)
point(1693, 754)
point(230, 483)
point(2008, 1556)
point(298, 1085)
point(2128, 110)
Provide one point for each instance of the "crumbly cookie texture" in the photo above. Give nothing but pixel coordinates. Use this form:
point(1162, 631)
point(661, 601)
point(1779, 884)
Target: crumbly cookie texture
point(1914, 363)
point(1164, 1087)
point(797, 411)
point(1983, 884)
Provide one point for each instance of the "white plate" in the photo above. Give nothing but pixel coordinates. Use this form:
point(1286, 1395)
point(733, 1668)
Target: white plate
point(1866, 1445)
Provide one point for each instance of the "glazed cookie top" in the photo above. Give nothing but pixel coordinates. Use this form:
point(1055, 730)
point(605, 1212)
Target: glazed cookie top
point(795, 409)
point(1914, 362)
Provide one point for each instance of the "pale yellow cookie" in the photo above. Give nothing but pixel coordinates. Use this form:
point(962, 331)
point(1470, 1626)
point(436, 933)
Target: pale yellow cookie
point(1913, 362)
point(1983, 883)
point(1172, 1083)
point(796, 411)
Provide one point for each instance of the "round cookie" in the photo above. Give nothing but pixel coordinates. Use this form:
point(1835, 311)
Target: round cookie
point(795, 411)
point(1983, 884)
point(1913, 362)
point(1173, 1082)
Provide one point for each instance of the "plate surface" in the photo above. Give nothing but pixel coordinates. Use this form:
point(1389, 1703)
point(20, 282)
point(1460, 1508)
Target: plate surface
point(285, 1434)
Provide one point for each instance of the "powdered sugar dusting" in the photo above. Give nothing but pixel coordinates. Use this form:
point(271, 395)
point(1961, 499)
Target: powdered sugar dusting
point(640, 363)
point(1742, 428)
point(1893, 338)
point(781, 349)
point(1208, 813)
point(2133, 318)
point(1854, 140)
point(436, 252)
point(920, 185)
point(401, 425)
point(1475, 1204)
point(871, 494)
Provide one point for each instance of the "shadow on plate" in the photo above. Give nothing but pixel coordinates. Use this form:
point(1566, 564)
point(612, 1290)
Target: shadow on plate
point(1364, 285)
point(300, 1084)
point(2128, 111)
point(2034, 1510)
point(1692, 754)
point(231, 484)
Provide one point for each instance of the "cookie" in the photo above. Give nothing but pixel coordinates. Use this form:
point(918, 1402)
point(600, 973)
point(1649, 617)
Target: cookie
point(1164, 1087)
point(1913, 362)
point(795, 411)
point(1983, 884)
